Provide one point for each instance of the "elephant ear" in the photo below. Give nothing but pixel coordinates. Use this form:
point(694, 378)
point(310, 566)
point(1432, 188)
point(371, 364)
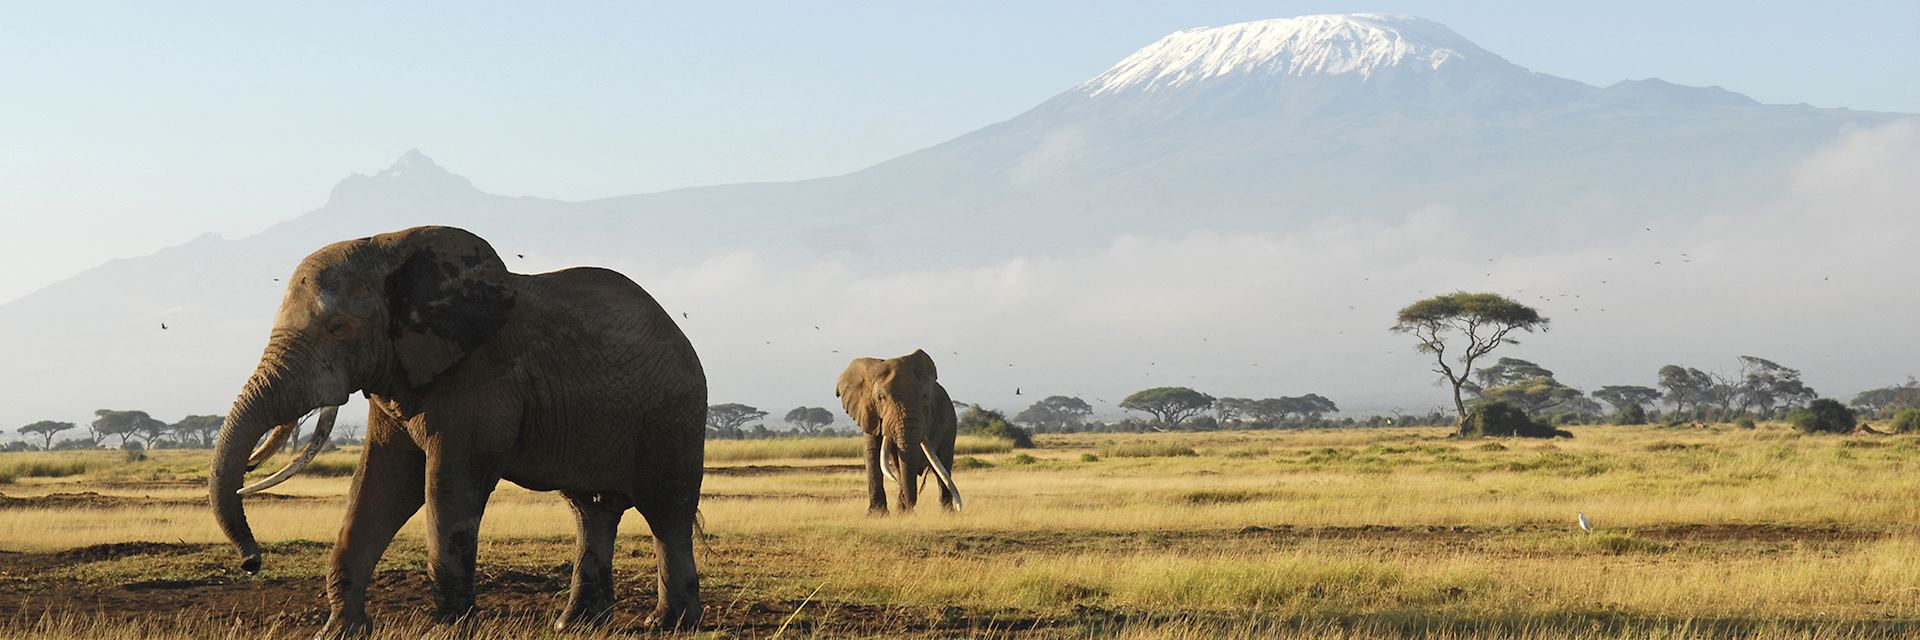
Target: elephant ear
point(447, 296)
point(921, 363)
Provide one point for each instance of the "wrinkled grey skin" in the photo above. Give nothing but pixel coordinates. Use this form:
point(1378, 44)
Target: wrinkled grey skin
point(575, 381)
point(900, 404)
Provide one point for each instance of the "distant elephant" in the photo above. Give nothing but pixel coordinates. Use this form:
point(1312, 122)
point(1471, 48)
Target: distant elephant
point(909, 424)
point(574, 380)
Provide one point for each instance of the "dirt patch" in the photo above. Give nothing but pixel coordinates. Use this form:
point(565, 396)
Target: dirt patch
point(777, 469)
point(1774, 533)
point(117, 550)
point(145, 585)
point(94, 500)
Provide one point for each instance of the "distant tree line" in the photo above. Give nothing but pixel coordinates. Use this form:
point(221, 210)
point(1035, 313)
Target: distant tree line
point(135, 429)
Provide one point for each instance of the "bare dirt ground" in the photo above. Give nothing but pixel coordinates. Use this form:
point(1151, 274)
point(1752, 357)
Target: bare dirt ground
point(202, 586)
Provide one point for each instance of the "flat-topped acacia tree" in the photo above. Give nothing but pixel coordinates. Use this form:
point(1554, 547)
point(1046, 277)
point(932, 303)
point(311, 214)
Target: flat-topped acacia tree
point(1476, 322)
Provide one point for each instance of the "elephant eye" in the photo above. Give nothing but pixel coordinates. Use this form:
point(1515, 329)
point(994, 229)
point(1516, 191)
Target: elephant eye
point(339, 325)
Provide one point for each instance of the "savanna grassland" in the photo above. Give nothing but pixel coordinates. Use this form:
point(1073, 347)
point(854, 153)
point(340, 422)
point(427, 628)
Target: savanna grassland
point(1716, 532)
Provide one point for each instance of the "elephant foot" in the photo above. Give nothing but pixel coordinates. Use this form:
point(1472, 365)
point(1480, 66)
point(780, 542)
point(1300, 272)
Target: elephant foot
point(584, 616)
point(340, 627)
point(675, 617)
point(877, 512)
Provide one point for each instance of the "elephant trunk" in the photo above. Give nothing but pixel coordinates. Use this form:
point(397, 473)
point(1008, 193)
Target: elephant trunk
point(910, 437)
point(273, 396)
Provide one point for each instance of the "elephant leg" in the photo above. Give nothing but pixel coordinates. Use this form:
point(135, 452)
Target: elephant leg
point(387, 491)
point(457, 492)
point(876, 483)
point(591, 600)
point(679, 581)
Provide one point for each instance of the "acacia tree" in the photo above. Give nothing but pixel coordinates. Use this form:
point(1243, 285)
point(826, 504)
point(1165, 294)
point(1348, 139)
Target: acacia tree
point(725, 420)
point(1885, 400)
point(809, 420)
point(1055, 413)
point(1506, 371)
point(1311, 406)
point(1622, 396)
point(1168, 405)
point(198, 430)
point(1765, 383)
point(1477, 322)
point(46, 429)
point(126, 424)
point(1231, 409)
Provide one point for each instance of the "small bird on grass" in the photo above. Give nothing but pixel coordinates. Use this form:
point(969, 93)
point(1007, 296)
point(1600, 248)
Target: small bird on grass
point(1585, 524)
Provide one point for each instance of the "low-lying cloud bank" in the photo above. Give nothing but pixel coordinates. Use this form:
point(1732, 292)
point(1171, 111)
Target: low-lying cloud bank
point(1819, 281)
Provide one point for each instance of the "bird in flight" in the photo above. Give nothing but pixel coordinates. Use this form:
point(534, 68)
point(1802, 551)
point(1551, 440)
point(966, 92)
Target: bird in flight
point(1016, 391)
point(520, 256)
point(683, 314)
point(163, 326)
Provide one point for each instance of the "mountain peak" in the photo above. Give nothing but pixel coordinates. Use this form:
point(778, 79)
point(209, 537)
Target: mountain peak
point(1361, 44)
point(412, 173)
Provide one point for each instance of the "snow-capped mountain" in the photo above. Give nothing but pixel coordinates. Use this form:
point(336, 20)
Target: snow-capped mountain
point(1258, 127)
point(1327, 45)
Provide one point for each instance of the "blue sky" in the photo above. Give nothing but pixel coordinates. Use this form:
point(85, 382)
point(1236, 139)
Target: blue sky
point(128, 127)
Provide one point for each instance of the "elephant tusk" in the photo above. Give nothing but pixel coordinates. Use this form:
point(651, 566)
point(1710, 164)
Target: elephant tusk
point(273, 443)
point(946, 477)
point(319, 441)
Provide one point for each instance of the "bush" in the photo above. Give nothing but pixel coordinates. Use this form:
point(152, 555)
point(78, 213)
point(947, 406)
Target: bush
point(1823, 416)
point(1907, 420)
point(1022, 459)
point(970, 462)
point(1745, 423)
point(1632, 414)
point(1497, 418)
point(979, 421)
point(1088, 457)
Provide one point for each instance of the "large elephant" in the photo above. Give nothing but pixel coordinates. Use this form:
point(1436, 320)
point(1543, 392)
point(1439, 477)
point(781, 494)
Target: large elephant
point(574, 380)
point(909, 424)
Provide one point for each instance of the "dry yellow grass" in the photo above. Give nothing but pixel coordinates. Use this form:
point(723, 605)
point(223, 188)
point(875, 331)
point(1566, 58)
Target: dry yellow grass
point(1358, 533)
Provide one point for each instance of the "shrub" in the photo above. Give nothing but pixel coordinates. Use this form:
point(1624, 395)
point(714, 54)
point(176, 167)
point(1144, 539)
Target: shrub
point(1501, 419)
point(1022, 459)
point(980, 421)
point(1745, 423)
point(1823, 416)
point(1632, 414)
point(970, 462)
point(1907, 420)
point(1088, 457)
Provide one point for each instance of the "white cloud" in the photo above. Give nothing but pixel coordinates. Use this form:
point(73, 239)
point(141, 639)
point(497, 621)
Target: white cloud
point(1819, 282)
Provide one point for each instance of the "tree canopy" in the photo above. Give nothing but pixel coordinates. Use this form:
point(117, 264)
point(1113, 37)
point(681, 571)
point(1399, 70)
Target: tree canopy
point(1055, 413)
point(1765, 384)
point(1622, 396)
point(198, 430)
point(1168, 405)
point(126, 425)
point(726, 420)
point(809, 419)
point(1887, 400)
point(46, 429)
point(1477, 323)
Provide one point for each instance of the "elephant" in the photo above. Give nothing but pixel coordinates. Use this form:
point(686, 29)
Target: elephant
point(909, 424)
point(574, 380)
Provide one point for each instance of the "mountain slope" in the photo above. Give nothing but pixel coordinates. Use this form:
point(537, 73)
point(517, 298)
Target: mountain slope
point(1265, 126)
